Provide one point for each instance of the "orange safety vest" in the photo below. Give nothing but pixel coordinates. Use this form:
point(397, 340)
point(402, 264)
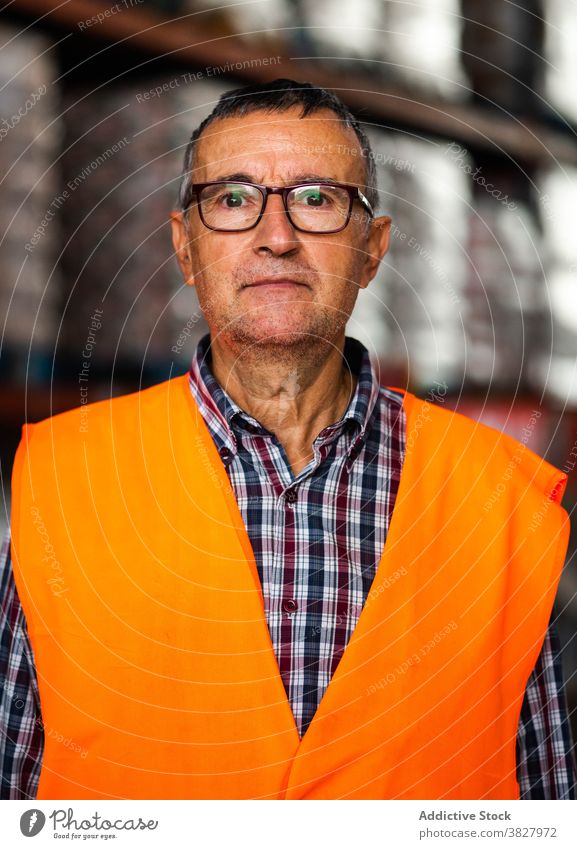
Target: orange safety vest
point(157, 675)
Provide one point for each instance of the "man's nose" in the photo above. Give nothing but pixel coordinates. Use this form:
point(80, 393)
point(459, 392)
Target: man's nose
point(274, 232)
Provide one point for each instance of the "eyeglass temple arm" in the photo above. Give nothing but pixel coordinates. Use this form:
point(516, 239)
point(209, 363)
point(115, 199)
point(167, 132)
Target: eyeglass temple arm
point(366, 203)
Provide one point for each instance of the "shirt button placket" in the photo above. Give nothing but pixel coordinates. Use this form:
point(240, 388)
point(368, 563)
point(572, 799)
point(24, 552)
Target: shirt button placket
point(226, 455)
point(289, 606)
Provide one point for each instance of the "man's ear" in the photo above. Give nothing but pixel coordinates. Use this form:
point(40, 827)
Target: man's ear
point(377, 245)
point(181, 243)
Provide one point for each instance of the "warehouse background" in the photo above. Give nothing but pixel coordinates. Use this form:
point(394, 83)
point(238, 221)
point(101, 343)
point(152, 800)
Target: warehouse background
point(472, 110)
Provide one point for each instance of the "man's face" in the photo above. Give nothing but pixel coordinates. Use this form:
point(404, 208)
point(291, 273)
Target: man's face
point(275, 285)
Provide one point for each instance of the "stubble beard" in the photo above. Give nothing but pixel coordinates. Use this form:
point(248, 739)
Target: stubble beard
point(322, 329)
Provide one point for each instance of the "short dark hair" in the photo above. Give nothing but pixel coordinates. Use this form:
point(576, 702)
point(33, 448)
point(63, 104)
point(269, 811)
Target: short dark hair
point(279, 96)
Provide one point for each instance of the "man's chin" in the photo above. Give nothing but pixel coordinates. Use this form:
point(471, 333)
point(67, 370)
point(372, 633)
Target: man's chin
point(272, 336)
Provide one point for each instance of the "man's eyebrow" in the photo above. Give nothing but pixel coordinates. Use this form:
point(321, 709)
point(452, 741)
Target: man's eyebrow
point(312, 178)
point(234, 178)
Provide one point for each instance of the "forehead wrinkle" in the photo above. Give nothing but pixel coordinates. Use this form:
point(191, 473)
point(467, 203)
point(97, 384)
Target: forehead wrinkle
point(276, 157)
point(284, 170)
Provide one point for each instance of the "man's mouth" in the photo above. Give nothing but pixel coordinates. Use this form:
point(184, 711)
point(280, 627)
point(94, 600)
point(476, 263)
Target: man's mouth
point(277, 282)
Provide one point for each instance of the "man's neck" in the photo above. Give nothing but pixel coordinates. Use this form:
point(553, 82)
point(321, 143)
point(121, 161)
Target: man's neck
point(294, 393)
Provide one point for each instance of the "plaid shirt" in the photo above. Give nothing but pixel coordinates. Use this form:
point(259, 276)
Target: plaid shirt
point(317, 539)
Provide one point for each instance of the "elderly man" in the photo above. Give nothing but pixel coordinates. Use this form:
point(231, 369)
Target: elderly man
point(273, 578)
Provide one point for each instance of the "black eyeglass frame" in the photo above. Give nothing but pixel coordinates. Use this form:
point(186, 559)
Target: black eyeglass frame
point(353, 191)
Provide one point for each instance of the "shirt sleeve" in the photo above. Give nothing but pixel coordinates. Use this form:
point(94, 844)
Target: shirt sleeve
point(545, 759)
point(21, 729)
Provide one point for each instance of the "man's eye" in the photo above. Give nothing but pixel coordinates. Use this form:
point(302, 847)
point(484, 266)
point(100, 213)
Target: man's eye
point(233, 200)
point(314, 199)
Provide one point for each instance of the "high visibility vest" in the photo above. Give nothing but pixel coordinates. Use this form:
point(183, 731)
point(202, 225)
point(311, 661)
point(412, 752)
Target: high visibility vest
point(157, 674)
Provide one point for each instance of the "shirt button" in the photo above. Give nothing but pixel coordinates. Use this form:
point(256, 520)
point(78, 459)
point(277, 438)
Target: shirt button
point(225, 455)
point(290, 496)
point(289, 605)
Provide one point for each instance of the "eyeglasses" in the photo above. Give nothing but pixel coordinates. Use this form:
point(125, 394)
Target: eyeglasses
point(232, 207)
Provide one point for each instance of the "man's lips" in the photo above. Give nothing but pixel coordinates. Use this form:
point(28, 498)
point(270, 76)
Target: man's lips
point(275, 281)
